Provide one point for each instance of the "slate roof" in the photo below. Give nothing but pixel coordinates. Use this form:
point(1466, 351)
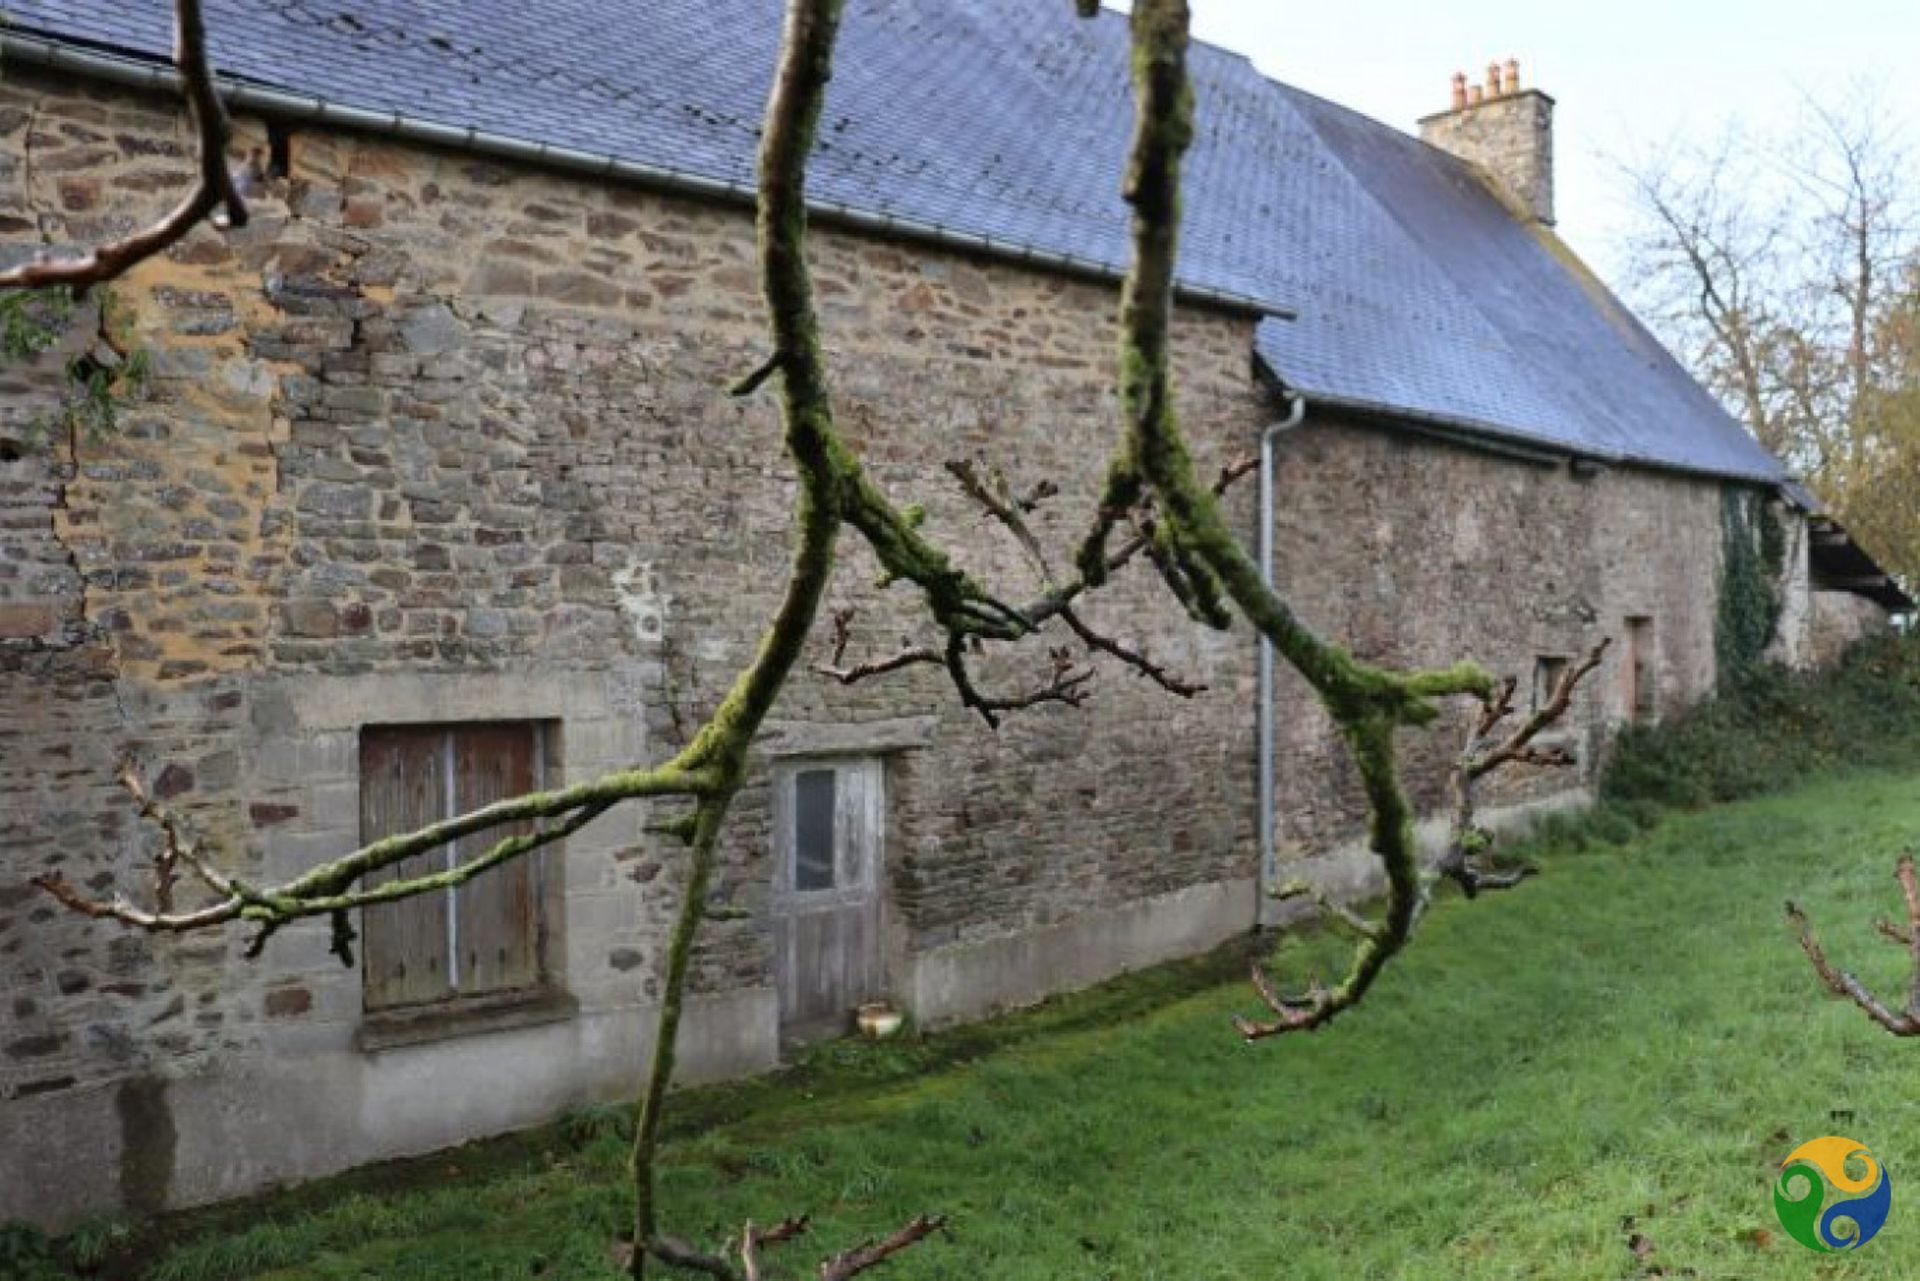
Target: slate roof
point(1414, 290)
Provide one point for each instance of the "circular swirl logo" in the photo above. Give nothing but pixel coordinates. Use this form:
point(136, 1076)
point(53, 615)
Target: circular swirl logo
point(1832, 1194)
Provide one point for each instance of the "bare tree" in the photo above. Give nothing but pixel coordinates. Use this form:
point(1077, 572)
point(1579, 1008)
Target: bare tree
point(1850, 169)
point(1173, 521)
point(1780, 269)
point(1706, 262)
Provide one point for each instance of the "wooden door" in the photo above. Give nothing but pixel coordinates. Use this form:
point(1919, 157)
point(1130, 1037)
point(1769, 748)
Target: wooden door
point(828, 836)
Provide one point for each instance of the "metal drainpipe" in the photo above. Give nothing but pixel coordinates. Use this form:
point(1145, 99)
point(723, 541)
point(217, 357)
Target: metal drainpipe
point(1296, 414)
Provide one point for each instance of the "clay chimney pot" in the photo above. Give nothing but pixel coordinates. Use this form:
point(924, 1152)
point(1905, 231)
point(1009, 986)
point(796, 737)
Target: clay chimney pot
point(1459, 90)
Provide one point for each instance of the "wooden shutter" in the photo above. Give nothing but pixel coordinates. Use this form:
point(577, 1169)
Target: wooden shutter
point(1639, 671)
point(498, 931)
point(403, 780)
point(487, 936)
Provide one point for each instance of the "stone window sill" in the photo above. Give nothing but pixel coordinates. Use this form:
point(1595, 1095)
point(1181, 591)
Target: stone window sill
point(392, 1029)
point(1563, 737)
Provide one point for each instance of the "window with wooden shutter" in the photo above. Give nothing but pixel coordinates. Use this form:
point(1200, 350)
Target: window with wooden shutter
point(1547, 671)
point(487, 938)
point(1639, 671)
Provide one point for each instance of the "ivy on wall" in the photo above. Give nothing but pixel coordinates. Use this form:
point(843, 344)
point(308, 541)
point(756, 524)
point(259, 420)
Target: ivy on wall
point(1752, 563)
point(104, 375)
point(32, 320)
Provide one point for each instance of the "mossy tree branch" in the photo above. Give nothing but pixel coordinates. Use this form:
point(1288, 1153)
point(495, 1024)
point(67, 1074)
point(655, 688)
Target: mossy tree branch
point(1201, 558)
point(1055, 602)
point(328, 888)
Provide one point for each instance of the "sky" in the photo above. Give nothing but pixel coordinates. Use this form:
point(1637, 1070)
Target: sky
point(1628, 76)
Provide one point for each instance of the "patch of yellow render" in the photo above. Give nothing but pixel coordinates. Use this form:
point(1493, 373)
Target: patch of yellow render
point(203, 605)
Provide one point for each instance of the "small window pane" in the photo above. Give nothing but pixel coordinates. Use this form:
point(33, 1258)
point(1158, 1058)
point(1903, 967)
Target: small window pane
point(1547, 671)
point(813, 830)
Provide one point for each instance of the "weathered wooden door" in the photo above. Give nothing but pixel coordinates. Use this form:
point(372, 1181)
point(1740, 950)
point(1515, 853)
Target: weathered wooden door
point(828, 834)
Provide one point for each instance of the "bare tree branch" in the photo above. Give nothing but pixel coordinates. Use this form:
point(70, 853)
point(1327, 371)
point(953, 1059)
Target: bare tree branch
point(1136, 659)
point(1064, 683)
point(843, 635)
point(677, 1253)
point(872, 1254)
point(753, 1240)
point(278, 906)
point(1468, 843)
point(995, 496)
point(178, 847)
point(214, 190)
point(1050, 604)
point(1842, 983)
point(326, 889)
point(848, 1263)
point(1329, 906)
point(998, 500)
point(126, 913)
point(1462, 861)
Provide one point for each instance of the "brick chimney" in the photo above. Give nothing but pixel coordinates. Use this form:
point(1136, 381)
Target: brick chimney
point(1504, 129)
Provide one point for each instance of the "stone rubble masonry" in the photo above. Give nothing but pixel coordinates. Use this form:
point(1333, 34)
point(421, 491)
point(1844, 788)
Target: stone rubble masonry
point(1511, 138)
point(435, 438)
point(1838, 620)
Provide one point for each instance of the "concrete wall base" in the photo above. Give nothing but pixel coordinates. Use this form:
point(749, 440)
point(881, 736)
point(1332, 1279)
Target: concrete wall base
point(155, 1143)
point(971, 979)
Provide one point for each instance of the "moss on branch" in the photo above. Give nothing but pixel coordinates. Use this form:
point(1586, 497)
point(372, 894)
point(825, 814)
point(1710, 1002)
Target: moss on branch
point(1199, 549)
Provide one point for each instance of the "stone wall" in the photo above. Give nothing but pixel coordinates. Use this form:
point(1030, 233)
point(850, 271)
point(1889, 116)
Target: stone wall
point(1840, 620)
point(1798, 629)
point(438, 439)
point(1418, 553)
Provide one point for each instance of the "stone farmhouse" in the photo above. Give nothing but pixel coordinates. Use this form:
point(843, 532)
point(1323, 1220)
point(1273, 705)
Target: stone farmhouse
point(431, 491)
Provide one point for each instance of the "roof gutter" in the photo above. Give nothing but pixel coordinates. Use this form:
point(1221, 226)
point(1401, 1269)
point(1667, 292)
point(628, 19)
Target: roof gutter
point(1490, 438)
point(267, 100)
point(1485, 437)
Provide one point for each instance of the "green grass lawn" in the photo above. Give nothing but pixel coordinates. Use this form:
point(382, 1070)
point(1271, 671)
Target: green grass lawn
point(1624, 1047)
